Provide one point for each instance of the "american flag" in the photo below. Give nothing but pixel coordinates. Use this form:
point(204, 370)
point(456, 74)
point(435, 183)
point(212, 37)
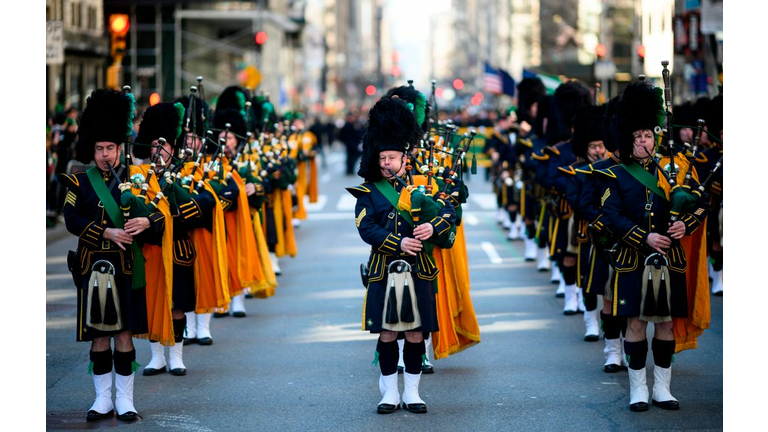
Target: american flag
point(492, 80)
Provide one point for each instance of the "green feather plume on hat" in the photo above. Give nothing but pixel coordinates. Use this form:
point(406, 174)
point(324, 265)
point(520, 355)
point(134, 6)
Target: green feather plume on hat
point(131, 112)
point(660, 114)
point(180, 111)
point(419, 107)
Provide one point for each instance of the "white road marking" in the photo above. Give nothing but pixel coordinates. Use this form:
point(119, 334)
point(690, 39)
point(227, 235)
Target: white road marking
point(346, 203)
point(491, 252)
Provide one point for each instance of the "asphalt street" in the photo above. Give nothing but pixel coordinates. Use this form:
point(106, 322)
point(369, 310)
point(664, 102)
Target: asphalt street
point(299, 362)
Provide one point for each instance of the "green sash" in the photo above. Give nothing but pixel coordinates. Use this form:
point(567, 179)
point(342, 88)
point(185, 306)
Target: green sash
point(644, 177)
point(393, 197)
point(391, 194)
point(117, 218)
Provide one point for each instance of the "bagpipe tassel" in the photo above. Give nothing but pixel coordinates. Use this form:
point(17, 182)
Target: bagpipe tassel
point(95, 302)
point(392, 305)
point(406, 308)
point(110, 311)
point(649, 301)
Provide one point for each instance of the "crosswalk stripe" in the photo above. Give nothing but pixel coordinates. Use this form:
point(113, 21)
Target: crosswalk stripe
point(346, 203)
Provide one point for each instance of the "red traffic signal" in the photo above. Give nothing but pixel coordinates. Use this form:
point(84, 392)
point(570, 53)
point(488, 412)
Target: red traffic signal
point(370, 90)
point(260, 38)
point(641, 51)
point(600, 50)
point(119, 24)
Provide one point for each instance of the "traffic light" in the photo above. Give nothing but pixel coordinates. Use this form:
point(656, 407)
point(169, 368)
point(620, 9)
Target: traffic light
point(118, 30)
point(641, 53)
point(259, 39)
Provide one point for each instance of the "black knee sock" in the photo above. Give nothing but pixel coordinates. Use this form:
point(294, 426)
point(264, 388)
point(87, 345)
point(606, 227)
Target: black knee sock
point(178, 329)
point(389, 354)
point(412, 355)
point(569, 274)
point(717, 260)
point(530, 231)
point(636, 353)
point(610, 326)
point(124, 362)
point(662, 352)
point(590, 301)
point(101, 362)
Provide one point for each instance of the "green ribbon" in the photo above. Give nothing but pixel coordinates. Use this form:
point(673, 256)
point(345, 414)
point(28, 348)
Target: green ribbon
point(391, 194)
point(646, 178)
point(113, 211)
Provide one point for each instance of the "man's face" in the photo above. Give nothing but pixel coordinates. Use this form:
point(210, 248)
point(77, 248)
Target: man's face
point(106, 154)
point(165, 153)
point(643, 143)
point(391, 160)
point(231, 145)
point(595, 151)
point(194, 143)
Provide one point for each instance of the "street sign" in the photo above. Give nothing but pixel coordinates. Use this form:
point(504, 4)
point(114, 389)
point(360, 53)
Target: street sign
point(54, 42)
point(604, 69)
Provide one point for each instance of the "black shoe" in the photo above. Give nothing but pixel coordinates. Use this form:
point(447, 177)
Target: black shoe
point(179, 371)
point(94, 415)
point(427, 369)
point(671, 405)
point(190, 341)
point(130, 416)
point(569, 312)
point(220, 314)
point(591, 338)
point(248, 295)
point(639, 406)
point(718, 294)
point(239, 314)
point(151, 372)
point(386, 408)
point(560, 295)
point(205, 341)
point(400, 369)
point(416, 408)
point(613, 368)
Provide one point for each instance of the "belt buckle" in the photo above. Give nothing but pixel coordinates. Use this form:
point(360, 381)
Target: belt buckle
point(106, 244)
point(648, 207)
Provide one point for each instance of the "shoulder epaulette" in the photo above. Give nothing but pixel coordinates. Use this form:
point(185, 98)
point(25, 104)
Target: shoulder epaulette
point(606, 172)
point(526, 142)
point(586, 169)
point(358, 191)
point(567, 169)
point(68, 180)
point(551, 150)
point(540, 157)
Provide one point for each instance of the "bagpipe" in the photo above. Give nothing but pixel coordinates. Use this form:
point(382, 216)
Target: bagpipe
point(683, 196)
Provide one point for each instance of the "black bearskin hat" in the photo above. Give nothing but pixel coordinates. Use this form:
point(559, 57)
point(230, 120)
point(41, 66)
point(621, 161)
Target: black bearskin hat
point(108, 116)
point(569, 98)
point(202, 114)
point(233, 97)
point(609, 124)
point(421, 107)
point(529, 91)
point(236, 122)
point(391, 126)
point(641, 108)
point(263, 114)
point(162, 120)
point(587, 127)
point(714, 117)
point(542, 113)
